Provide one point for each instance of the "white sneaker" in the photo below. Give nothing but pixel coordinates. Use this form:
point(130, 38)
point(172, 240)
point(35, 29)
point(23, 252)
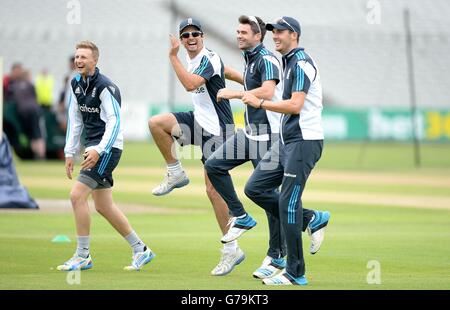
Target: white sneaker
point(316, 230)
point(285, 279)
point(140, 259)
point(76, 263)
point(238, 226)
point(228, 261)
point(270, 267)
point(170, 182)
point(316, 240)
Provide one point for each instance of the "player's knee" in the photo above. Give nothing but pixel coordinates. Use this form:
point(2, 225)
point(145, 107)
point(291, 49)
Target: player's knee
point(251, 191)
point(76, 198)
point(213, 165)
point(100, 208)
point(158, 124)
point(157, 121)
point(153, 123)
point(209, 166)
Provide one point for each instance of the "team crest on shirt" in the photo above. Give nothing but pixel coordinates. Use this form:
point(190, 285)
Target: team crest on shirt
point(78, 90)
point(94, 91)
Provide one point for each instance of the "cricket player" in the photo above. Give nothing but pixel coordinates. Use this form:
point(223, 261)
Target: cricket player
point(208, 125)
point(262, 78)
point(95, 105)
point(297, 151)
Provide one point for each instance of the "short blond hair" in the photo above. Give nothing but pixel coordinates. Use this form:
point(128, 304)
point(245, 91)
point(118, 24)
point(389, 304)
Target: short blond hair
point(90, 45)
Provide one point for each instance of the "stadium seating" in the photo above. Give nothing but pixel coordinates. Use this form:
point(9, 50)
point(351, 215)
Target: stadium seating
point(361, 64)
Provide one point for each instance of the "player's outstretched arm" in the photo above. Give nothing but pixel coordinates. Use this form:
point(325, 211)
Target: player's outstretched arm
point(290, 106)
point(226, 93)
point(266, 90)
point(233, 75)
point(190, 81)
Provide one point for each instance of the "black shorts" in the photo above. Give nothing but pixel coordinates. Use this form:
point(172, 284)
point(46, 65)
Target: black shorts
point(194, 134)
point(100, 176)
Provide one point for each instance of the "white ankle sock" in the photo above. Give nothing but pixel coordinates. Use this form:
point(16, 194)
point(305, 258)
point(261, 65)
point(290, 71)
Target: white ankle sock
point(231, 246)
point(83, 246)
point(175, 168)
point(135, 242)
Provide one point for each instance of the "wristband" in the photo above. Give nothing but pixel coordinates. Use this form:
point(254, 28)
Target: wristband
point(261, 103)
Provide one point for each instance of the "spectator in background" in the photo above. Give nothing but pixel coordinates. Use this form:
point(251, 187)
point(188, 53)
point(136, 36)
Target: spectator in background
point(8, 80)
point(61, 111)
point(64, 95)
point(22, 92)
point(44, 89)
point(9, 107)
point(71, 74)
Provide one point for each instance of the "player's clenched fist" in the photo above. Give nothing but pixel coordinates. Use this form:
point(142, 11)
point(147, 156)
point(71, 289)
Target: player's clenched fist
point(69, 167)
point(174, 45)
point(250, 100)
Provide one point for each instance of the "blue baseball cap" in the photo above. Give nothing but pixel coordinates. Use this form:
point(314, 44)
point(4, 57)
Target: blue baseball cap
point(190, 22)
point(284, 23)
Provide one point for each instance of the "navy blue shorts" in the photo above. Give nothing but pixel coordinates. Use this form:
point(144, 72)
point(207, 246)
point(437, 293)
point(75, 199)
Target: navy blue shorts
point(100, 176)
point(194, 134)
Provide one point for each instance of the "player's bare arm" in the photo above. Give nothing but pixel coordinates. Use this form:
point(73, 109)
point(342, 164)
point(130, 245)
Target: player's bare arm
point(266, 91)
point(233, 75)
point(189, 81)
point(290, 106)
point(226, 93)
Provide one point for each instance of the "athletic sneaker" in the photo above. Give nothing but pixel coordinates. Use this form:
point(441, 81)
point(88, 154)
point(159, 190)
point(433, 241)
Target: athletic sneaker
point(285, 278)
point(238, 226)
point(270, 267)
point(140, 259)
point(76, 263)
point(228, 261)
point(170, 182)
point(316, 230)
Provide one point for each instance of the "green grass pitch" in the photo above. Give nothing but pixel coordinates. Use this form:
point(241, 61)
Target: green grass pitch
point(409, 238)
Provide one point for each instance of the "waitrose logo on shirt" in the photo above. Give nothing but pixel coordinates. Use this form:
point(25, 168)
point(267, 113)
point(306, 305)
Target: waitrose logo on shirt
point(85, 108)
